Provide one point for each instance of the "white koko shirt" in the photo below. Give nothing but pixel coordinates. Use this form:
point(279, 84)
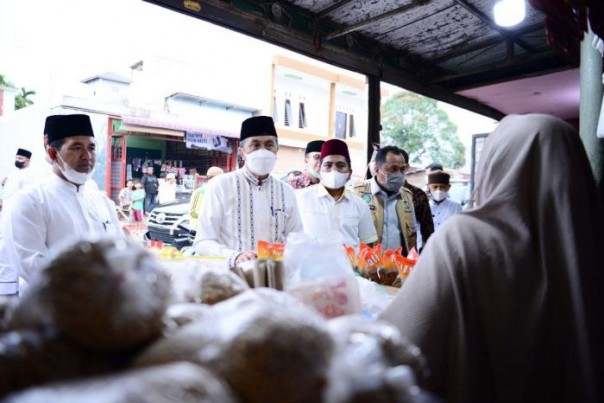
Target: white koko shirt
point(238, 211)
point(43, 218)
point(323, 216)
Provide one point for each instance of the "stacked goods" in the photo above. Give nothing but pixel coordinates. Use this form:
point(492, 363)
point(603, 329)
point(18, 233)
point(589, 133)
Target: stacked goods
point(178, 382)
point(106, 336)
point(92, 307)
point(388, 268)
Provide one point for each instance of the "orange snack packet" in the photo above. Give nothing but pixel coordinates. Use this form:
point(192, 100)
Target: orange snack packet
point(267, 250)
point(404, 266)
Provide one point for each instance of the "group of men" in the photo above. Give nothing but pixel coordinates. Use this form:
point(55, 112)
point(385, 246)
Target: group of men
point(242, 207)
point(239, 208)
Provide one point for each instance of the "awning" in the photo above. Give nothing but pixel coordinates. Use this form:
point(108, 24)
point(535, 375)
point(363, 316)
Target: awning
point(151, 130)
point(173, 126)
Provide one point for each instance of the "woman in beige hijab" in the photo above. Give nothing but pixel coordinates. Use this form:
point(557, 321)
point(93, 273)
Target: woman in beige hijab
point(505, 302)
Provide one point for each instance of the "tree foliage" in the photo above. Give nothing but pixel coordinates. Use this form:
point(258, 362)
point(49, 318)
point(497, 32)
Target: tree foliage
point(416, 124)
point(22, 98)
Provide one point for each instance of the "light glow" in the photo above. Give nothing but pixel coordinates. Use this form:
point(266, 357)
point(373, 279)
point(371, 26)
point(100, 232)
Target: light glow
point(508, 13)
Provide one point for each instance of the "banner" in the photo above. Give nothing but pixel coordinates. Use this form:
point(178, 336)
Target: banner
point(207, 142)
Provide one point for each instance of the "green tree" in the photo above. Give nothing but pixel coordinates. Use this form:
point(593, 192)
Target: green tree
point(416, 124)
point(3, 82)
point(22, 99)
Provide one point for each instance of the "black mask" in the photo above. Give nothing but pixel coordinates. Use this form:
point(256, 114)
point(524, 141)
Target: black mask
point(20, 164)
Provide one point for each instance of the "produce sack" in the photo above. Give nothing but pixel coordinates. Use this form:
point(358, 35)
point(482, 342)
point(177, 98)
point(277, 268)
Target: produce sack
point(319, 274)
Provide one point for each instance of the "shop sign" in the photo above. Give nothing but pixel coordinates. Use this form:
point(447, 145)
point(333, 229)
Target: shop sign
point(208, 142)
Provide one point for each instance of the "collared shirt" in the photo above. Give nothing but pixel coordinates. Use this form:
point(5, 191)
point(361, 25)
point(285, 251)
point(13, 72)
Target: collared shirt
point(442, 211)
point(391, 233)
point(300, 181)
point(43, 218)
point(238, 211)
point(324, 217)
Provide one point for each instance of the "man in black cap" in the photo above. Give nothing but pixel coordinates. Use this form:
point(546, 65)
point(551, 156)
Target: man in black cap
point(442, 207)
point(248, 205)
point(63, 210)
point(18, 179)
point(310, 176)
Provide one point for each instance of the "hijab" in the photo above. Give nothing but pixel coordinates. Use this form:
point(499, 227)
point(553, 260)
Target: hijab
point(505, 299)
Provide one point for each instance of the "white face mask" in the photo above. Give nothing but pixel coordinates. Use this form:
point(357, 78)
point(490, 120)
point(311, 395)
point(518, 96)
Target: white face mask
point(73, 176)
point(261, 162)
point(439, 195)
point(314, 173)
point(334, 179)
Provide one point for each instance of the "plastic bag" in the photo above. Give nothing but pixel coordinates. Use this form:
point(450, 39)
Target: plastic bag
point(320, 275)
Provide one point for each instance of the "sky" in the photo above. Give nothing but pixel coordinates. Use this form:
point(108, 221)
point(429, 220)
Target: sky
point(46, 45)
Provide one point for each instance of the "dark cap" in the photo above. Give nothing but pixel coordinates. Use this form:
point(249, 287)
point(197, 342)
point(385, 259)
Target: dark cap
point(47, 122)
point(62, 126)
point(435, 166)
point(258, 126)
point(438, 178)
point(24, 153)
point(335, 147)
point(314, 146)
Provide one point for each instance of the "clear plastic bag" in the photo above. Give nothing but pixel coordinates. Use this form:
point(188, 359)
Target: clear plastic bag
point(320, 275)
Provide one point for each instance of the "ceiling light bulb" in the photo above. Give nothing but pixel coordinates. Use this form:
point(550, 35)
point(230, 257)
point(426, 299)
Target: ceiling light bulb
point(509, 12)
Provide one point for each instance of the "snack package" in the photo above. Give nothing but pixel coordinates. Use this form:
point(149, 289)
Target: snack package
point(370, 260)
point(320, 275)
point(267, 250)
point(404, 266)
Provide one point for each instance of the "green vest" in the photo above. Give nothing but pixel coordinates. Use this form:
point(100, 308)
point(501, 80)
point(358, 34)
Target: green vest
point(404, 211)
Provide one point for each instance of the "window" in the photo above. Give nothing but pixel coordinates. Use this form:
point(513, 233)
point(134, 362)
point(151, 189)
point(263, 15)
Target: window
point(301, 116)
point(288, 113)
point(275, 112)
point(341, 119)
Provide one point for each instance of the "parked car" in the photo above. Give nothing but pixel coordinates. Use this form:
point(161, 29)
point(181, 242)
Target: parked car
point(169, 223)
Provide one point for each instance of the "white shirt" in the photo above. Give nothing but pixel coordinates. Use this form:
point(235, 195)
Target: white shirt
point(237, 212)
point(166, 192)
point(16, 181)
point(391, 233)
point(324, 217)
point(442, 211)
point(42, 219)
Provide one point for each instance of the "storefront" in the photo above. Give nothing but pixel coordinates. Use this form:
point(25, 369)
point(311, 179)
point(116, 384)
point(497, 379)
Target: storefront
point(187, 151)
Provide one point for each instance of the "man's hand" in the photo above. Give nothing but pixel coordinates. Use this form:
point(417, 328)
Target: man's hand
point(245, 256)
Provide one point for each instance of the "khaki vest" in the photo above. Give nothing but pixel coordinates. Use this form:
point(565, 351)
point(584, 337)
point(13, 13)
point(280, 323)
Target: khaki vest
point(404, 211)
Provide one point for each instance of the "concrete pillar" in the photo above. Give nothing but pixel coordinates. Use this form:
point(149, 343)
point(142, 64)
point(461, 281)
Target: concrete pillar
point(591, 99)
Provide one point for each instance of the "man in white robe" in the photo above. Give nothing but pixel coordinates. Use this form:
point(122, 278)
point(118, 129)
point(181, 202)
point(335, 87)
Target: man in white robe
point(19, 178)
point(248, 205)
point(41, 219)
point(505, 302)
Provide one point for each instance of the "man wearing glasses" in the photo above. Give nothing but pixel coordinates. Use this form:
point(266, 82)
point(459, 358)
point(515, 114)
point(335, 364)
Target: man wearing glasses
point(390, 203)
point(310, 176)
point(328, 209)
